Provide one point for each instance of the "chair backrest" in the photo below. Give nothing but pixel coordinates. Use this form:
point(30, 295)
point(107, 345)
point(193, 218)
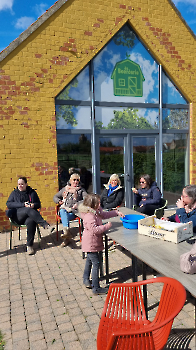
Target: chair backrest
point(163, 203)
point(124, 324)
point(160, 211)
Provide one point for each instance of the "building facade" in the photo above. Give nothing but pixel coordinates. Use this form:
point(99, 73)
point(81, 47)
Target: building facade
point(108, 89)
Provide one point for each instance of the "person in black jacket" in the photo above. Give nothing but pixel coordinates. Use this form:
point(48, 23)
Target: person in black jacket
point(113, 194)
point(22, 206)
point(148, 196)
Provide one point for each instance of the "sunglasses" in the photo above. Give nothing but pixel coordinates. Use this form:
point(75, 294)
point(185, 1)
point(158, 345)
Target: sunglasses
point(142, 182)
point(76, 180)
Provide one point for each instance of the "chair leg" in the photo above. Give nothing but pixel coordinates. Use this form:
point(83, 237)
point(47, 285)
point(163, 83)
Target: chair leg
point(80, 231)
point(38, 235)
point(11, 236)
point(57, 232)
point(19, 234)
point(101, 263)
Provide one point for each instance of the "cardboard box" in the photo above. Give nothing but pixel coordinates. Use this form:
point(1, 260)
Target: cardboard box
point(172, 232)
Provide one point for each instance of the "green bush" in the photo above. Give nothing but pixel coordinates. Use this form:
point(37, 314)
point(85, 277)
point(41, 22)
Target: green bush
point(2, 342)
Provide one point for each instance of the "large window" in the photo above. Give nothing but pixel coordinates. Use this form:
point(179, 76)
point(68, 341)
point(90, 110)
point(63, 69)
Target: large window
point(124, 90)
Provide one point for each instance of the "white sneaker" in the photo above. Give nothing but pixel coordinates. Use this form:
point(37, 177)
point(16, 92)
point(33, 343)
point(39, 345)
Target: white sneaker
point(30, 250)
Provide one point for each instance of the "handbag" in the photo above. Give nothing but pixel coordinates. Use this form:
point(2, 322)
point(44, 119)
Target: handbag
point(188, 261)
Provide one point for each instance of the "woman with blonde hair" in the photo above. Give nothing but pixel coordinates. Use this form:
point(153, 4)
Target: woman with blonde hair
point(113, 193)
point(67, 198)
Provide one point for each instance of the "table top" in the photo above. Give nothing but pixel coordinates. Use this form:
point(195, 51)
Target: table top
point(161, 255)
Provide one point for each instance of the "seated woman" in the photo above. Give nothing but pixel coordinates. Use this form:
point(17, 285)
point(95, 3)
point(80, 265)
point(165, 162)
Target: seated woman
point(148, 196)
point(113, 194)
point(186, 207)
point(22, 205)
point(67, 198)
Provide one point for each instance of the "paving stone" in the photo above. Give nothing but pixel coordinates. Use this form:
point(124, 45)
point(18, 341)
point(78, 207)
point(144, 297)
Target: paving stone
point(69, 337)
point(62, 318)
point(38, 345)
point(52, 335)
point(18, 326)
point(19, 335)
point(21, 345)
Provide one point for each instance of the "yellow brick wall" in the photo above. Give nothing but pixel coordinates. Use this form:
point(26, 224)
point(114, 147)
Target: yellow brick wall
point(40, 67)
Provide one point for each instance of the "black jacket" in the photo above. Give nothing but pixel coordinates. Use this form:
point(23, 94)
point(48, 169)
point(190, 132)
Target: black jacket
point(115, 198)
point(151, 195)
point(14, 200)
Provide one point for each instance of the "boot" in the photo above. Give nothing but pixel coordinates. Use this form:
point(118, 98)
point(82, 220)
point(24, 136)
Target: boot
point(66, 237)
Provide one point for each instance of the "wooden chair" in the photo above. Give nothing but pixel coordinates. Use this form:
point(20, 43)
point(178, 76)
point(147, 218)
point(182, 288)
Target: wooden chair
point(124, 323)
point(58, 220)
point(14, 224)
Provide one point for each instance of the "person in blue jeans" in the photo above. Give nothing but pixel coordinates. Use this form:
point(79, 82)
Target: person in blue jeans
point(68, 198)
point(92, 238)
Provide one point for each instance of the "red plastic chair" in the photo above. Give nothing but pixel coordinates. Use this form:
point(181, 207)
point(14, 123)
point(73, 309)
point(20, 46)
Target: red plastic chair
point(124, 325)
point(58, 220)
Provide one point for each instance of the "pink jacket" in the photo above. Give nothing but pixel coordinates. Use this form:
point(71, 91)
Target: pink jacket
point(92, 236)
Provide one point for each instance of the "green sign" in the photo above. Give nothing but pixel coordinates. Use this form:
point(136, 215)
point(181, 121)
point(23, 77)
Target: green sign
point(127, 79)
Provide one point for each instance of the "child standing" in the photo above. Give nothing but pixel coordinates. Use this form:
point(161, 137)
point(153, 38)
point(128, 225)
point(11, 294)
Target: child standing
point(92, 238)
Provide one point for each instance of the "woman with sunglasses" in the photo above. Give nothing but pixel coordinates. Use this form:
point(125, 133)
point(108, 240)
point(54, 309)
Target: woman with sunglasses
point(148, 196)
point(67, 198)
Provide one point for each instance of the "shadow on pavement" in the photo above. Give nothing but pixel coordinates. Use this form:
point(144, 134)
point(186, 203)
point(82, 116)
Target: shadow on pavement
point(180, 338)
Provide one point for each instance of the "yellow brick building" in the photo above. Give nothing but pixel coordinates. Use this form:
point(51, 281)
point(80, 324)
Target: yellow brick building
point(38, 65)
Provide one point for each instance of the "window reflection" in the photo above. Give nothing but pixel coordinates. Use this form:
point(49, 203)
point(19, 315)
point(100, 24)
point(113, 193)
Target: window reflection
point(125, 71)
point(175, 162)
point(170, 92)
point(111, 158)
point(78, 89)
point(126, 118)
point(73, 117)
point(175, 118)
point(74, 151)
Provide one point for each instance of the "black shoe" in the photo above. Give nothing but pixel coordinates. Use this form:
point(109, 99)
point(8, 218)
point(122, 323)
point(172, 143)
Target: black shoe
point(47, 227)
point(87, 284)
point(100, 291)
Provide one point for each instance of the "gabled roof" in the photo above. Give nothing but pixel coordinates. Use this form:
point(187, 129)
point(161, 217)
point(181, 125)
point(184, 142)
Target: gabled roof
point(57, 5)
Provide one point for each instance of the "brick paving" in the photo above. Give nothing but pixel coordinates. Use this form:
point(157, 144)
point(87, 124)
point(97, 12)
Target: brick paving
point(44, 304)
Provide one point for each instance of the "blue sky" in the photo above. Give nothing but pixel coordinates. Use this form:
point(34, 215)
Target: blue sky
point(17, 15)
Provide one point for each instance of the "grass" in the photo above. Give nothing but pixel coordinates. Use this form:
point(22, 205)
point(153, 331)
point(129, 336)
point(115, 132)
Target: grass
point(2, 343)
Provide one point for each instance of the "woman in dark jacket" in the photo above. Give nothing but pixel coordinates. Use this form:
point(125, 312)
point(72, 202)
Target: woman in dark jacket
point(148, 196)
point(22, 205)
point(113, 194)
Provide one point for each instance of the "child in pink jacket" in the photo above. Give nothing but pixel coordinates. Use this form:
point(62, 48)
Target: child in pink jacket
point(92, 238)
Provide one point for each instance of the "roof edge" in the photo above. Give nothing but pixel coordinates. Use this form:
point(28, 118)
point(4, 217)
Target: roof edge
point(32, 28)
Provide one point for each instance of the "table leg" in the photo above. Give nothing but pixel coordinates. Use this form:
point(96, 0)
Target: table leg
point(101, 263)
point(145, 289)
point(134, 268)
point(106, 259)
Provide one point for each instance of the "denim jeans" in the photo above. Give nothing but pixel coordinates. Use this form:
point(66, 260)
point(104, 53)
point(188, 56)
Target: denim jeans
point(92, 261)
point(66, 217)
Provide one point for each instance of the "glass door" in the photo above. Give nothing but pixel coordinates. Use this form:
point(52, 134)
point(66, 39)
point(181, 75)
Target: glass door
point(111, 159)
point(144, 155)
